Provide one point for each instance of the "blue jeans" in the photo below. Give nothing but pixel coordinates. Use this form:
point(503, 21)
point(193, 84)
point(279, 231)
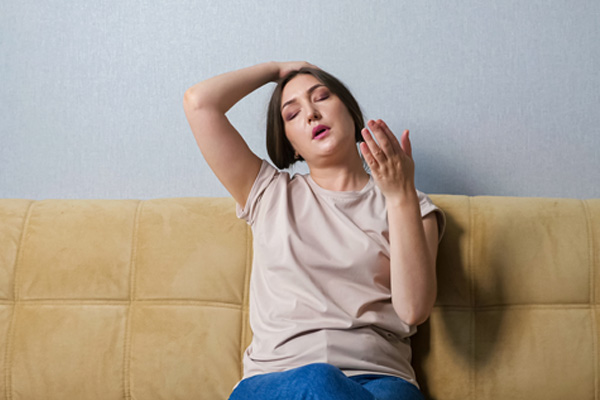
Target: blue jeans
point(324, 382)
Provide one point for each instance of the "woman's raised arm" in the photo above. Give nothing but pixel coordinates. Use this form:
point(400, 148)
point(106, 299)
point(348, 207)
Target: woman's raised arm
point(222, 146)
point(223, 91)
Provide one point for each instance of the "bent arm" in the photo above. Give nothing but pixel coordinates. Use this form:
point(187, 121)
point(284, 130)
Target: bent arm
point(413, 251)
point(222, 146)
point(221, 92)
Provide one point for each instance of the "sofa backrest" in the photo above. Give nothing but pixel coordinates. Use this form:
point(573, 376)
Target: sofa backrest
point(120, 299)
point(516, 314)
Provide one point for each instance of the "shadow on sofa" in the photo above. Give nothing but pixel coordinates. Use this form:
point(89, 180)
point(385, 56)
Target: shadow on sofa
point(456, 318)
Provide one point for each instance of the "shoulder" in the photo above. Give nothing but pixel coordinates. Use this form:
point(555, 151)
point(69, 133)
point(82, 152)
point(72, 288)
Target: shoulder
point(428, 207)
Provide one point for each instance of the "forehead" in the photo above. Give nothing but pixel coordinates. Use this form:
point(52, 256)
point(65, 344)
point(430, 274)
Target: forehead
point(298, 86)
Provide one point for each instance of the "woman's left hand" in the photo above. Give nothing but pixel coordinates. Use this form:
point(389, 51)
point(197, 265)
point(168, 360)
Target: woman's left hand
point(392, 166)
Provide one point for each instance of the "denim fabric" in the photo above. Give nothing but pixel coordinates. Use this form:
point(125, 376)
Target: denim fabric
point(324, 382)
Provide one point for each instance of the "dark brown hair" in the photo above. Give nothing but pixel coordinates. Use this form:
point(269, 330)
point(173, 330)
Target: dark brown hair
point(278, 146)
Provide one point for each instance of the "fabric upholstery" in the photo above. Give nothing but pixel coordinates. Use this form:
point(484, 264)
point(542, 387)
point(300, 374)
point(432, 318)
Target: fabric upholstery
point(130, 299)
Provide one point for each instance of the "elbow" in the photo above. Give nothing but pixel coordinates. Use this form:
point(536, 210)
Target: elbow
point(412, 316)
point(421, 319)
point(191, 100)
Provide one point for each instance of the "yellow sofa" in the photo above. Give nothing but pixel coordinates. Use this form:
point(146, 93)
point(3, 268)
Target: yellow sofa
point(129, 299)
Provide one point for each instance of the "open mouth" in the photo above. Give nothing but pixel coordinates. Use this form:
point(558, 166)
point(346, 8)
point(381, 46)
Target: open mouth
point(320, 131)
point(321, 134)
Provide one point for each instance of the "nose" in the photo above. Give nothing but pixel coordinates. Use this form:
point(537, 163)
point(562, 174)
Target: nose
point(313, 114)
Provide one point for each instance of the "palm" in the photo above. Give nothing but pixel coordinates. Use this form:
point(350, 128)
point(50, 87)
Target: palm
point(287, 67)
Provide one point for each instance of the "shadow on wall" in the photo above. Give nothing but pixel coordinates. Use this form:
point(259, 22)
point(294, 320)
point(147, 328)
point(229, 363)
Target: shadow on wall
point(444, 347)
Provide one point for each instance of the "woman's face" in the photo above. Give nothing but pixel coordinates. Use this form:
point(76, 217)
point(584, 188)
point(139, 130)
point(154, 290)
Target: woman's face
point(307, 103)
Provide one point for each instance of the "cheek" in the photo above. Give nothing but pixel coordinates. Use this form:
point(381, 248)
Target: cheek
point(288, 134)
point(348, 121)
point(290, 130)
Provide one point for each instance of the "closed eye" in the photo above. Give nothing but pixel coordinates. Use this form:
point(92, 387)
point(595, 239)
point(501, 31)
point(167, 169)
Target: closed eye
point(324, 97)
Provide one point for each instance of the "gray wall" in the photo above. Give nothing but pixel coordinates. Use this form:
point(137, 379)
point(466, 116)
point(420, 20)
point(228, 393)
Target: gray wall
point(501, 97)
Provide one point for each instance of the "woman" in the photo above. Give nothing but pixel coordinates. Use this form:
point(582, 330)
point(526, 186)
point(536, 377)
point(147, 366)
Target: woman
point(344, 260)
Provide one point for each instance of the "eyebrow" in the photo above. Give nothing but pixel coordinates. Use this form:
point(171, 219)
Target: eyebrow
point(309, 91)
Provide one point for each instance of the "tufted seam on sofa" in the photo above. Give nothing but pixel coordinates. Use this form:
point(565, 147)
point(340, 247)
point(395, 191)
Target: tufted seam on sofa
point(519, 306)
point(591, 263)
point(241, 308)
point(470, 268)
point(158, 302)
point(132, 275)
point(245, 300)
point(11, 329)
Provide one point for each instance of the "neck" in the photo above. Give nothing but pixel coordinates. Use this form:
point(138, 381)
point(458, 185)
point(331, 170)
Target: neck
point(346, 177)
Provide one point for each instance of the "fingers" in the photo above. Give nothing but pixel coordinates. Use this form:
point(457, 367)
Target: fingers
point(406, 146)
point(391, 137)
point(388, 144)
point(364, 148)
point(388, 141)
point(372, 151)
point(286, 67)
point(312, 66)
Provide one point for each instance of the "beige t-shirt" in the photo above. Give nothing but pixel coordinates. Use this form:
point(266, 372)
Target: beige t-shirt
point(320, 283)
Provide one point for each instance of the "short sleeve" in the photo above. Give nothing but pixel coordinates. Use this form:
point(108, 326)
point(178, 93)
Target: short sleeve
point(427, 206)
point(265, 176)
